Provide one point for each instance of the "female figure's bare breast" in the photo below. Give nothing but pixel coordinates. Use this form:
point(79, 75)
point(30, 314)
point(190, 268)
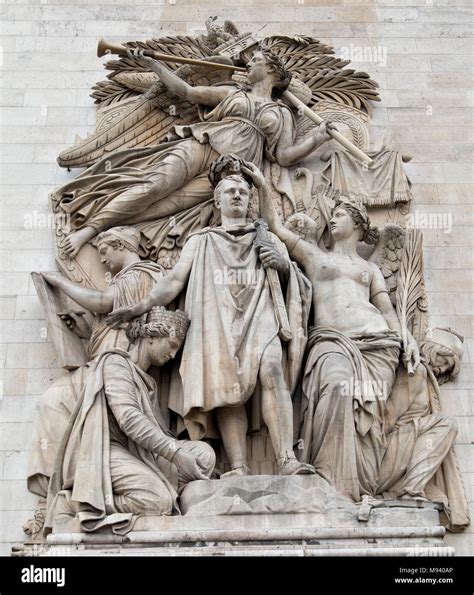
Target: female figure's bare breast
point(341, 293)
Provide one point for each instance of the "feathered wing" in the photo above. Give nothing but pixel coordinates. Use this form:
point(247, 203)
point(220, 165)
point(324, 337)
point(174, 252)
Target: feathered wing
point(143, 121)
point(125, 71)
point(411, 293)
point(134, 108)
point(314, 64)
point(388, 255)
point(130, 116)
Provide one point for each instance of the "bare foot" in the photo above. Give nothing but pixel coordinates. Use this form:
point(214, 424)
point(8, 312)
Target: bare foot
point(76, 239)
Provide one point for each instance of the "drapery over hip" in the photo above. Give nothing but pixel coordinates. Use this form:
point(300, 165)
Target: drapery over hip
point(343, 402)
point(373, 358)
point(83, 461)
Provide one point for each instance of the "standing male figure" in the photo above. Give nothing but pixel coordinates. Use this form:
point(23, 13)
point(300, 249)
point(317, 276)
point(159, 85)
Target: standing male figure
point(233, 338)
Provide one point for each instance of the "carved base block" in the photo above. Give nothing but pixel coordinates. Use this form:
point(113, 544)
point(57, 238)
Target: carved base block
point(268, 516)
point(261, 494)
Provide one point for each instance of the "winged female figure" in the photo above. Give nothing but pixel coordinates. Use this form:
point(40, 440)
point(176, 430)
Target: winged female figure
point(144, 184)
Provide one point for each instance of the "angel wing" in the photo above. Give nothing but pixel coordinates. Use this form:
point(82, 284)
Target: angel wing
point(388, 254)
point(142, 121)
point(399, 255)
point(129, 77)
point(314, 64)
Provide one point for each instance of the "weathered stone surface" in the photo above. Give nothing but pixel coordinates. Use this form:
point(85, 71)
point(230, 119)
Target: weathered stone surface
point(261, 494)
point(53, 83)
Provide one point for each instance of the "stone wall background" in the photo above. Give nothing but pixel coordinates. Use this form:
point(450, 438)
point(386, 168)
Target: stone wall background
point(48, 55)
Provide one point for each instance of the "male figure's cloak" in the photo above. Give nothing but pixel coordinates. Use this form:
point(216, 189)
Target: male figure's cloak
point(233, 321)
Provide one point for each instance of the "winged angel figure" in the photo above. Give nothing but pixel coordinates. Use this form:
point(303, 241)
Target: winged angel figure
point(391, 439)
point(160, 128)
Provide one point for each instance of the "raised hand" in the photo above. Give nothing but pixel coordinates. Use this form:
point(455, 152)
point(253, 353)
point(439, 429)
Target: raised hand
point(322, 132)
point(139, 54)
point(252, 170)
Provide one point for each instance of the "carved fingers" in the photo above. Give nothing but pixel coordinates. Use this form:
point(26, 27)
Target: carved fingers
point(188, 466)
point(271, 258)
point(323, 131)
point(412, 356)
point(252, 170)
point(119, 316)
point(139, 54)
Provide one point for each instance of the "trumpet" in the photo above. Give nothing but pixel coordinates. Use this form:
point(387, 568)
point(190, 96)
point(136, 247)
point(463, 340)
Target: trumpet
point(105, 47)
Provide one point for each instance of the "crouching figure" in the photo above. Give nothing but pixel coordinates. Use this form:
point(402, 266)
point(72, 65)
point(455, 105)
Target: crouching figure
point(117, 459)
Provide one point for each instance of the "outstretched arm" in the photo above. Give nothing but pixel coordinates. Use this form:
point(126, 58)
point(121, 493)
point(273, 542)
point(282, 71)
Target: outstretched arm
point(94, 300)
point(201, 94)
point(297, 247)
point(288, 153)
point(121, 395)
point(164, 291)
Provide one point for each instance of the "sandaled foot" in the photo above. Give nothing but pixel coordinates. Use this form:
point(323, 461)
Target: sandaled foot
point(238, 471)
point(291, 466)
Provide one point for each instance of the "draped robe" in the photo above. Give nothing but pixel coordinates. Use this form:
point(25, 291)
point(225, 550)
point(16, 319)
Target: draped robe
point(233, 321)
point(346, 383)
point(115, 458)
point(131, 284)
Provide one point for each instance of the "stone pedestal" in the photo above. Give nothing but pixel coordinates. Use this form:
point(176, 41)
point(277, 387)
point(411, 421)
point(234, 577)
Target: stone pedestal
point(265, 515)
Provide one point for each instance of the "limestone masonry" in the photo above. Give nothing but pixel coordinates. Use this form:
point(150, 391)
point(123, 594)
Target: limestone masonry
point(237, 286)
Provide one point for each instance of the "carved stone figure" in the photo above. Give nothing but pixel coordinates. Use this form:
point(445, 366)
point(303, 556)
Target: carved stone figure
point(233, 338)
point(442, 349)
point(419, 462)
point(117, 459)
point(132, 279)
point(144, 103)
point(248, 123)
point(354, 349)
point(183, 163)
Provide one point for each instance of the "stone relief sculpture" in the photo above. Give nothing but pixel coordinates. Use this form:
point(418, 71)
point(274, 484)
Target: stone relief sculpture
point(117, 459)
point(419, 461)
point(389, 432)
point(353, 349)
point(306, 346)
point(131, 279)
point(248, 123)
point(144, 104)
point(233, 338)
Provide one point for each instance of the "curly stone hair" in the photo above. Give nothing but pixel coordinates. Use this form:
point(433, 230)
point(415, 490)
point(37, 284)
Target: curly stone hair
point(283, 74)
point(159, 322)
point(358, 212)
